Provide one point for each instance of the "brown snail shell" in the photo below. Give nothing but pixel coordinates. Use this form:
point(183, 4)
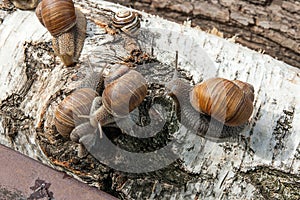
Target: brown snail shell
point(77, 103)
point(127, 21)
point(224, 100)
point(125, 93)
point(247, 88)
point(38, 13)
point(115, 72)
point(58, 16)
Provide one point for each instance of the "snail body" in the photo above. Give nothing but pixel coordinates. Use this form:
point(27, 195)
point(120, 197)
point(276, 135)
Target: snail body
point(195, 113)
point(126, 21)
point(66, 24)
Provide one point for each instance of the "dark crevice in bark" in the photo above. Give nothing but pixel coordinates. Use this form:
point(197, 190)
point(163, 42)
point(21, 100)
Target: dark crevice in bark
point(272, 183)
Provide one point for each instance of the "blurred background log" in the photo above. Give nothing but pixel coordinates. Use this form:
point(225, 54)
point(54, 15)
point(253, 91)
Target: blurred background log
point(271, 26)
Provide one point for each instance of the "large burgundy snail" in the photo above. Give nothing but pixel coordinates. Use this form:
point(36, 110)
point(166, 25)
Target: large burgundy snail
point(126, 21)
point(207, 106)
point(66, 24)
point(125, 89)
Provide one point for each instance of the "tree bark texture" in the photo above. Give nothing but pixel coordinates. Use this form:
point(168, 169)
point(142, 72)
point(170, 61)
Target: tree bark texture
point(262, 163)
point(271, 26)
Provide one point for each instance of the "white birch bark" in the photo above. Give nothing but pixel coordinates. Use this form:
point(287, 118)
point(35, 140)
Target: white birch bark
point(32, 83)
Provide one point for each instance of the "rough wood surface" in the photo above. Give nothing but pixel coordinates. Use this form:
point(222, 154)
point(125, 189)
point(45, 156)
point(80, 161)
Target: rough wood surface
point(268, 25)
point(264, 163)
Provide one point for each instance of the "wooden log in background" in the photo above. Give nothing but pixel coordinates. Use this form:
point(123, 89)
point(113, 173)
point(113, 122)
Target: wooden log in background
point(263, 164)
point(268, 25)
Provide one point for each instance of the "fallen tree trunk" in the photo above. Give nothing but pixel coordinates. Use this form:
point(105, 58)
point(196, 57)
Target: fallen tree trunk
point(265, 25)
point(263, 163)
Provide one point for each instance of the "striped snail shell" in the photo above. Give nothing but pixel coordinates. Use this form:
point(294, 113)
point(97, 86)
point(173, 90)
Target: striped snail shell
point(58, 16)
point(114, 73)
point(77, 103)
point(127, 21)
point(246, 87)
point(124, 92)
point(224, 100)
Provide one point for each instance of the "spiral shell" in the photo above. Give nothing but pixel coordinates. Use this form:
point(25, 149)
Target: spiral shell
point(38, 13)
point(58, 16)
point(114, 73)
point(77, 103)
point(247, 88)
point(223, 100)
point(124, 94)
point(127, 21)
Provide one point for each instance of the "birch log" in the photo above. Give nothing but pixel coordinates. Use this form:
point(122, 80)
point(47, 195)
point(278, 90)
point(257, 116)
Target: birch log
point(270, 25)
point(263, 164)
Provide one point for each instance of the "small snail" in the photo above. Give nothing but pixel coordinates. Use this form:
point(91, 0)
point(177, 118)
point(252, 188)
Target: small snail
point(25, 4)
point(207, 106)
point(66, 24)
point(126, 21)
point(125, 90)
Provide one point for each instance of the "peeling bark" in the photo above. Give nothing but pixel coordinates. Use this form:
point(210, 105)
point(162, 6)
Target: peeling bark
point(35, 82)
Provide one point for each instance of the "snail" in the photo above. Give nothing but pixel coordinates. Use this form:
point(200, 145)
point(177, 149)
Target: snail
point(207, 106)
point(126, 21)
point(66, 24)
point(125, 89)
point(25, 4)
point(222, 99)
